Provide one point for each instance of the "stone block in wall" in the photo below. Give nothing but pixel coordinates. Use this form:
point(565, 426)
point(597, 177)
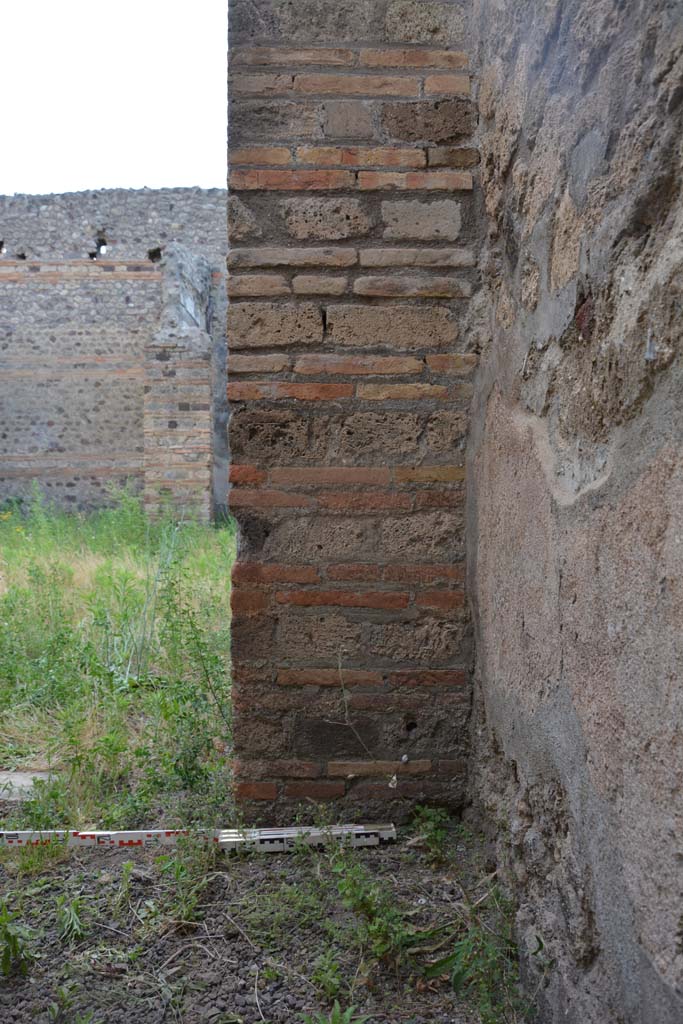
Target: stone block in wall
point(428, 121)
point(409, 21)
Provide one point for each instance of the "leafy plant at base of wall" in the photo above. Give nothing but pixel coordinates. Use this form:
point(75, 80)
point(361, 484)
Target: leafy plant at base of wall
point(14, 938)
point(336, 1016)
point(431, 823)
point(484, 963)
point(382, 929)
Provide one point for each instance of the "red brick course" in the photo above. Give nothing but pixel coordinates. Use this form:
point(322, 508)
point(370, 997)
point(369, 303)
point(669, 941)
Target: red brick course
point(444, 181)
point(348, 366)
point(361, 156)
point(320, 476)
point(393, 58)
point(256, 790)
point(259, 572)
point(444, 85)
point(247, 475)
point(284, 55)
point(279, 768)
point(357, 85)
point(327, 677)
point(324, 790)
point(294, 181)
point(342, 598)
point(370, 768)
point(370, 501)
point(304, 392)
point(358, 571)
point(269, 156)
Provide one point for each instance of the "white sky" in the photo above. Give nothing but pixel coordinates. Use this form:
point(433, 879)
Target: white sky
point(112, 94)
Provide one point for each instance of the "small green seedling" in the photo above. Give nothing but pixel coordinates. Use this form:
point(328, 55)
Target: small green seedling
point(69, 922)
point(337, 1016)
point(327, 974)
point(121, 900)
point(431, 824)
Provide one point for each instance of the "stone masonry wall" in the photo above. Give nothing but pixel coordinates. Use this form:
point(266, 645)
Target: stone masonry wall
point(72, 341)
point(84, 331)
point(353, 231)
point(576, 496)
point(131, 222)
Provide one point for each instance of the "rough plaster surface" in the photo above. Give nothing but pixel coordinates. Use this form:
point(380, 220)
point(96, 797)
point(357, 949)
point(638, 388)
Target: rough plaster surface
point(576, 496)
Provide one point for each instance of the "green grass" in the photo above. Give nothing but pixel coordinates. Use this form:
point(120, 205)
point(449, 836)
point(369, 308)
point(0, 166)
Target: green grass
point(114, 664)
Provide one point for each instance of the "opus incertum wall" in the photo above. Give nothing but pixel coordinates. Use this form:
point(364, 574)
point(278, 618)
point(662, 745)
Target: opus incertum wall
point(106, 380)
point(112, 334)
point(352, 262)
point(73, 335)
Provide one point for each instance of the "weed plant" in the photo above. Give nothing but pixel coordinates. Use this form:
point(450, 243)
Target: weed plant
point(336, 1016)
point(483, 962)
point(186, 874)
point(381, 930)
point(114, 655)
point(15, 954)
point(432, 826)
point(70, 924)
point(327, 974)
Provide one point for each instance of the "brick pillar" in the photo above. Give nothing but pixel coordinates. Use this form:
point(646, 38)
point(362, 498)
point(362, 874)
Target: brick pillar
point(351, 266)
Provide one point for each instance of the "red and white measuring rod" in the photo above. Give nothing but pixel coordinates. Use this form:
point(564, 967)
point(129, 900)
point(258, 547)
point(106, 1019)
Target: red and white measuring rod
point(268, 840)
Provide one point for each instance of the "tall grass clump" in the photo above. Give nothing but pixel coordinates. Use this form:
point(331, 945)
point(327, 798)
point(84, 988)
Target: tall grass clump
point(114, 662)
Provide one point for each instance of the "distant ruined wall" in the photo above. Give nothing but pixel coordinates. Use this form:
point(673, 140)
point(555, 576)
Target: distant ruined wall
point(130, 221)
point(354, 237)
point(92, 287)
point(72, 342)
point(576, 495)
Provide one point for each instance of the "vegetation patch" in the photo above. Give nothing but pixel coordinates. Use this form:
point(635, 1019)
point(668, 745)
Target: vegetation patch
point(114, 665)
point(114, 655)
point(332, 936)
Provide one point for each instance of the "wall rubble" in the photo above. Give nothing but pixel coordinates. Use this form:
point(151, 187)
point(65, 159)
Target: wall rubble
point(353, 230)
point(575, 497)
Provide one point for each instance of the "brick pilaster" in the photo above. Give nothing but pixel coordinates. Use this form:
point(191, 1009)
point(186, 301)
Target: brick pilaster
point(178, 399)
point(352, 262)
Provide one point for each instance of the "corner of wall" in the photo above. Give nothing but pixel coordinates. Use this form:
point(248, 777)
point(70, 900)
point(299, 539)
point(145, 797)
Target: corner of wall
point(178, 392)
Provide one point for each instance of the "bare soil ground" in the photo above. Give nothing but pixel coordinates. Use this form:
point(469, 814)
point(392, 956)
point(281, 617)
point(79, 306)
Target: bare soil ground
point(196, 936)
